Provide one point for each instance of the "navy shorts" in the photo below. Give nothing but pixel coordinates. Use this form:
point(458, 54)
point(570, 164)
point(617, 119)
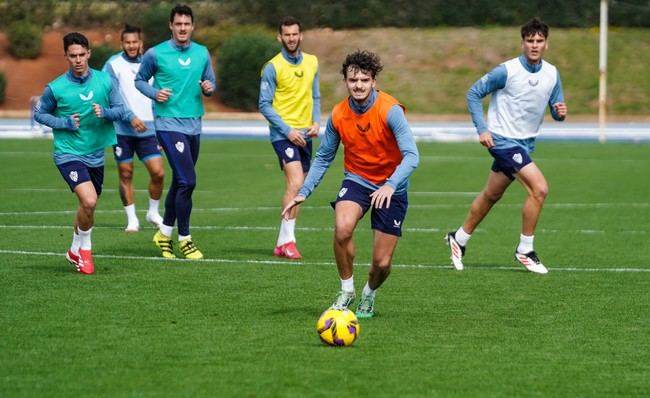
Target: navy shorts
point(509, 160)
point(76, 172)
point(289, 152)
point(145, 147)
point(387, 220)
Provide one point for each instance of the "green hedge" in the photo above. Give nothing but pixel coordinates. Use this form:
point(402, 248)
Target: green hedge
point(25, 39)
point(239, 63)
point(100, 54)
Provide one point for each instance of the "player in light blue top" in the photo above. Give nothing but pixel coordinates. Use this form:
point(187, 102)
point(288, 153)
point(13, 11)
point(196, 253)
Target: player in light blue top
point(80, 106)
point(521, 89)
point(182, 71)
point(142, 141)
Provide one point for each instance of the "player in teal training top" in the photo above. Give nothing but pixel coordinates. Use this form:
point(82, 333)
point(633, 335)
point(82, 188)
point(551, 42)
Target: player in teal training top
point(183, 72)
point(80, 106)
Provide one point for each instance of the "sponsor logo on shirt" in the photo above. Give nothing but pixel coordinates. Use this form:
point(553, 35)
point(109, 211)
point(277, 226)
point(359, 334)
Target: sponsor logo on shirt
point(299, 74)
point(186, 62)
point(363, 129)
point(87, 97)
point(533, 83)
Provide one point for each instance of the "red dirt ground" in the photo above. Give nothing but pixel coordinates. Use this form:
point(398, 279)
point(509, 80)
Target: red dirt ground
point(28, 77)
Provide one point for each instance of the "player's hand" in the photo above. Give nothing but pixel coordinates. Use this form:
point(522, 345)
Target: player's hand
point(163, 94)
point(295, 202)
point(560, 109)
point(138, 125)
point(99, 112)
point(295, 136)
point(75, 120)
point(313, 130)
point(206, 87)
point(485, 139)
point(381, 196)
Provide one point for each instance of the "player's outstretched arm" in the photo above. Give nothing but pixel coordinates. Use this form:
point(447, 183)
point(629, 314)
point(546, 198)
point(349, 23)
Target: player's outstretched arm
point(294, 202)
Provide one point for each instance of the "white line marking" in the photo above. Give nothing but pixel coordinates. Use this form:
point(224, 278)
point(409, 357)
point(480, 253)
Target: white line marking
point(324, 263)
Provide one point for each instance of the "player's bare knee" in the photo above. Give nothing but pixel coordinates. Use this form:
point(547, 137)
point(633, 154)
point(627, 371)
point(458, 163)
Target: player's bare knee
point(126, 175)
point(342, 233)
point(88, 205)
point(540, 192)
point(492, 196)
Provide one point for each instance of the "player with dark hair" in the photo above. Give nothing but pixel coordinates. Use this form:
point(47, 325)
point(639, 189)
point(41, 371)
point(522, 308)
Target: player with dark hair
point(520, 90)
point(80, 106)
point(182, 72)
point(379, 156)
point(140, 140)
point(290, 101)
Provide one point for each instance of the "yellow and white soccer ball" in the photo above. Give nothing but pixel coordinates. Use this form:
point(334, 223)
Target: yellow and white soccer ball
point(338, 327)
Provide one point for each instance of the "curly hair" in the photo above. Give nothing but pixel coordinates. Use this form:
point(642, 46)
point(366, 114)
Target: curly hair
point(364, 61)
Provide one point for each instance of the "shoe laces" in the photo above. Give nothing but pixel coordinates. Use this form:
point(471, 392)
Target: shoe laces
point(188, 247)
point(367, 303)
point(343, 299)
point(533, 256)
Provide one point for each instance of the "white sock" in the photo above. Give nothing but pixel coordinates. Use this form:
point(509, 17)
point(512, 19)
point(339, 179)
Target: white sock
point(184, 237)
point(84, 238)
point(462, 237)
point(166, 230)
point(153, 206)
point(525, 244)
point(130, 214)
point(367, 291)
point(76, 242)
point(287, 234)
point(347, 285)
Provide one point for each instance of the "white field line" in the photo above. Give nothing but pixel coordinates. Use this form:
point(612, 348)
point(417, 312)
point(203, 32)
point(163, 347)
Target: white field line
point(412, 206)
point(326, 263)
point(326, 229)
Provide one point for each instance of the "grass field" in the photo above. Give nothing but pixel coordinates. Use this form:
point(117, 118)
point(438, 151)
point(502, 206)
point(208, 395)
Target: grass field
point(241, 322)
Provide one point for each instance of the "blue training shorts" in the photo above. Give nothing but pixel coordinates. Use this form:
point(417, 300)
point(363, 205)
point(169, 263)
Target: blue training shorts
point(509, 160)
point(289, 152)
point(145, 147)
point(387, 220)
point(76, 172)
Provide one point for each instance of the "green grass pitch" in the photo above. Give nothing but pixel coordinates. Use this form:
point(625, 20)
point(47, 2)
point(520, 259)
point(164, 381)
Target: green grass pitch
point(241, 322)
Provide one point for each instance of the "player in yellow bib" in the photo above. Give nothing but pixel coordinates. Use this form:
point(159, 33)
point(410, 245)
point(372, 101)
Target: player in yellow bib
point(290, 101)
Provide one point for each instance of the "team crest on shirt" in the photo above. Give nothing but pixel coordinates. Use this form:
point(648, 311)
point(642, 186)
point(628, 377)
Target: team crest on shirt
point(363, 129)
point(87, 97)
point(533, 83)
point(180, 146)
point(299, 74)
point(342, 192)
point(517, 158)
point(397, 224)
point(74, 176)
point(118, 151)
point(185, 62)
point(289, 152)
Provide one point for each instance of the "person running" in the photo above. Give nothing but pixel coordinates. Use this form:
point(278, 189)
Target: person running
point(290, 101)
point(80, 106)
point(182, 71)
point(520, 89)
point(122, 67)
point(379, 156)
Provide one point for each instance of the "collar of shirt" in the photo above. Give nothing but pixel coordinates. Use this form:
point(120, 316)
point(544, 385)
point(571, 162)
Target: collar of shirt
point(179, 46)
point(136, 60)
point(293, 60)
point(360, 109)
point(530, 68)
point(79, 79)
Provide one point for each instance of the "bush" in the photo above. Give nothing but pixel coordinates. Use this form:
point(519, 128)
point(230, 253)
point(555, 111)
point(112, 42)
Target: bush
point(3, 86)
point(25, 38)
point(100, 54)
point(155, 25)
point(239, 63)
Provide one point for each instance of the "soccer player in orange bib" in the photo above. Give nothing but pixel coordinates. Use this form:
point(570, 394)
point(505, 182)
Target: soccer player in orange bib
point(379, 156)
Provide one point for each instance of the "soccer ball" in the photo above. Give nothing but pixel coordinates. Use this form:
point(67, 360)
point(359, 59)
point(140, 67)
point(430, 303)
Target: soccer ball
point(338, 327)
